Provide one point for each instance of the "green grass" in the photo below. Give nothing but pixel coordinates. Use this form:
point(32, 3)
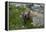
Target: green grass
point(14, 20)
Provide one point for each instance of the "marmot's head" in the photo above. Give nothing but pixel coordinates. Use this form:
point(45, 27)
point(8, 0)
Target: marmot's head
point(26, 15)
